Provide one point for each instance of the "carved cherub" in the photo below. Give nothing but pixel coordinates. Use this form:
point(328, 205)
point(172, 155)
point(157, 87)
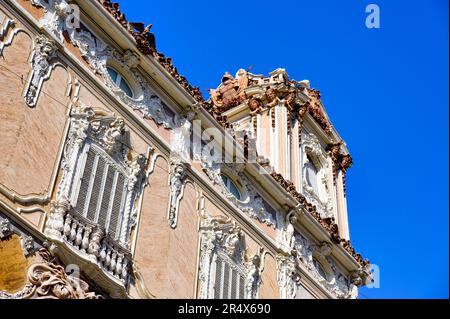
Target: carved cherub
point(272, 98)
point(113, 135)
point(255, 106)
point(291, 100)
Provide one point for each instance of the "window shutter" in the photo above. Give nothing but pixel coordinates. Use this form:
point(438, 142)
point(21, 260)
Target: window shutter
point(117, 206)
point(234, 284)
point(226, 281)
point(241, 287)
point(102, 192)
point(96, 189)
point(85, 180)
point(104, 207)
point(218, 279)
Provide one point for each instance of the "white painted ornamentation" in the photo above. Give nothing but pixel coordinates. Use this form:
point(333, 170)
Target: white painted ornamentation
point(225, 273)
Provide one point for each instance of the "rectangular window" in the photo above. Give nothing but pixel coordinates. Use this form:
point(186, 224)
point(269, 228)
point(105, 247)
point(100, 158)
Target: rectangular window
point(228, 282)
point(102, 192)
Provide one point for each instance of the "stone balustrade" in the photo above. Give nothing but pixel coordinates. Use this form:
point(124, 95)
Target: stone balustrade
point(92, 241)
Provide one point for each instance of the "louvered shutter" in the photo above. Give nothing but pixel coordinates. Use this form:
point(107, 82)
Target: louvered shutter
point(85, 181)
point(96, 189)
point(218, 279)
point(116, 206)
point(241, 287)
point(228, 282)
point(102, 192)
point(104, 207)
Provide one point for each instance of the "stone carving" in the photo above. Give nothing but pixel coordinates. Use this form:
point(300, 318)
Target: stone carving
point(7, 31)
point(56, 19)
point(131, 59)
point(324, 199)
point(55, 223)
point(66, 226)
point(252, 204)
point(28, 245)
point(317, 112)
point(98, 55)
point(145, 42)
point(253, 280)
point(5, 228)
point(230, 93)
point(255, 106)
point(26, 293)
point(223, 236)
point(44, 52)
point(181, 136)
point(327, 223)
point(177, 177)
point(52, 282)
point(335, 282)
point(288, 276)
point(272, 98)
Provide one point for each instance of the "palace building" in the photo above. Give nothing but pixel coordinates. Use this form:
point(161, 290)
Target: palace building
point(118, 179)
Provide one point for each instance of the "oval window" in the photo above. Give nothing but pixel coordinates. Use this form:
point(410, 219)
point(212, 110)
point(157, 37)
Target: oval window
point(320, 269)
point(311, 175)
point(120, 81)
point(232, 188)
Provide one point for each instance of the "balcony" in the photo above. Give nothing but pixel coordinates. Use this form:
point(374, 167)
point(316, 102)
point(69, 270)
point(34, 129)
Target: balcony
point(82, 243)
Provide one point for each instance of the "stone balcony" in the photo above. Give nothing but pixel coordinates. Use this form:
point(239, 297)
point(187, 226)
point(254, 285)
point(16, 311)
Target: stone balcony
point(81, 242)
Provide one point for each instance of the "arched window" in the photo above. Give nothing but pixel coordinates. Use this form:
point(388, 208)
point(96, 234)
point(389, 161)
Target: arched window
point(120, 81)
point(311, 172)
point(232, 188)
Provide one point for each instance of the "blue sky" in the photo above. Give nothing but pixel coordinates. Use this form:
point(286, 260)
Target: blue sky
point(385, 90)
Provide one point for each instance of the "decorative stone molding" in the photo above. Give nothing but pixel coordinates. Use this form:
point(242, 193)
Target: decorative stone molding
point(82, 237)
point(99, 55)
point(56, 16)
point(8, 31)
point(28, 245)
point(335, 282)
point(324, 200)
point(26, 293)
point(288, 276)
point(177, 176)
point(230, 93)
point(5, 228)
point(180, 142)
point(252, 204)
point(225, 238)
point(51, 281)
point(41, 68)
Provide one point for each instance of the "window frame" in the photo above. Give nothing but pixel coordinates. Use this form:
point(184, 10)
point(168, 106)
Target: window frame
point(77, 183)
point(121, 79)
point(230, 182)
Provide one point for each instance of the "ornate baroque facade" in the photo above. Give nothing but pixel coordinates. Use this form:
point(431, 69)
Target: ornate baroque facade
point(102, 195)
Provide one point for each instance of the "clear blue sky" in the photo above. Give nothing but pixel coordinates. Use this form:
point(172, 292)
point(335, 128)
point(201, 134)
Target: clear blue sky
point(385, 90)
